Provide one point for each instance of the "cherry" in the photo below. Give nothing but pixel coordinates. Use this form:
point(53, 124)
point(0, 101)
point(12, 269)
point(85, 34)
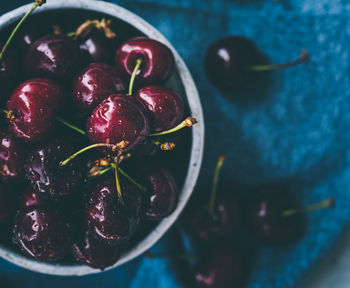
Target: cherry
point(165, 106)
point(52, 56)
point(95, 253)
point(33, 106)
point(95, 83)
point(231, 61)
point(26, 39)
point(225, 220)
point(118, 118)
point(31, 198)
point(48, 178)
point(96, 48)
point(109, 219)
point(11, 159)
point(9, 70)
point(42, 233)
point(7, 204)
point(276, 218)
point(163, 194)
point(225, 268)
point(157, 60)
point(218, 219)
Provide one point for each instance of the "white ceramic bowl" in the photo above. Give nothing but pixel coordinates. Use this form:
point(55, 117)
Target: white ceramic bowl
point(182, 78)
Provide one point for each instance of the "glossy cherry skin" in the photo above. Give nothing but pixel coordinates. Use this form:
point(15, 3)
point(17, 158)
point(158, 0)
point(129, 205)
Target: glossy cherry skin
point(7, 204)
point(165, 106)
point(109, 220)
point(224, 222)
point(162, 193)
point(267, 221)
point(48, 178)
point(34, 104)
point(31, 198)
point(95, 83)
point(223, 269)
point(157, 65)
point(12, 158)
point(42, 233)
point(94, 253)
point(52, 56)
point(25, 40)
point(96, 48)
point(119, 117)
point(227, 60)
point(9, 70)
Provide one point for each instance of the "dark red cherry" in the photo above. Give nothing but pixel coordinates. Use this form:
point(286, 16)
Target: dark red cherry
point(31, 198)
point(26, 39)
point(96, 48)
point(94, 84)
point(157, 60)
point(224, 268)
point(118, 118)
point(95, 253)
point(48, 178)
point(42, 233)
point(53, 56)
point(227, 60)
point(165, 106)
point(145, 149)
point(267, 220)
point(162, 193)
point(12, 158)
point(7, 204)
point(224, 221)
point(34, 104)
point(110, 220)
point(9, 70)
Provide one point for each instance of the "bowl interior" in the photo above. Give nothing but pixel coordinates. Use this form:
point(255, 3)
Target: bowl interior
point(183, 162)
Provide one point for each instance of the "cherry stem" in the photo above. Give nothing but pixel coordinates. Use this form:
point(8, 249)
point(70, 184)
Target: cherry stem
point(313, 207)
point(175, 256)
point(117, 182)
point(61, 120)
point(133, 75)
point(36, 4)
point(166, 146)
point(111, 146)
point(121, 171)
point(304, 56)
point(188, 122)
point(219, 164)
point(71, 34)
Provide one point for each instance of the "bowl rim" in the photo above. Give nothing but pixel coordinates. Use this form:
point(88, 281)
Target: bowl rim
point(197, 135)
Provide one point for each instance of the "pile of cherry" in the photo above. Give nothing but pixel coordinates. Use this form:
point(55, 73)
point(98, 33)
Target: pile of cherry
point(68, 203)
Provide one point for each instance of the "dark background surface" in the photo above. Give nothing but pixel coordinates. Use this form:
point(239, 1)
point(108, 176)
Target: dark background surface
point(293, 131)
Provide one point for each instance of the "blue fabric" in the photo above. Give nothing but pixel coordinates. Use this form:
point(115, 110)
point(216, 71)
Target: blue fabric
point(298, 131)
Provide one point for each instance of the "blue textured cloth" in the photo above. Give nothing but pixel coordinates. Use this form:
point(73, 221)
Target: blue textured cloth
point(298, 131)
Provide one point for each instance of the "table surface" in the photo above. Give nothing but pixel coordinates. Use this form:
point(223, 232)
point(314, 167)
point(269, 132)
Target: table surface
point(293, 131)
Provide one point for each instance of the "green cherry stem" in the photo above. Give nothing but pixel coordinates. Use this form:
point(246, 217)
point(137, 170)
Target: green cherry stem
point(121, 171)
point(111, 146)
point(188, 122)
point(219, 164)
point(174, 256)
point(313, 207)
point(71, 34)
point(133, 75)
point(117, 182)
point(36, 4)
point(304, 56)
point(64, 122)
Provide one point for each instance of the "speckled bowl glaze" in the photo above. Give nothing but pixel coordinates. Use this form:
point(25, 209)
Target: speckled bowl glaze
point(181, 81)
